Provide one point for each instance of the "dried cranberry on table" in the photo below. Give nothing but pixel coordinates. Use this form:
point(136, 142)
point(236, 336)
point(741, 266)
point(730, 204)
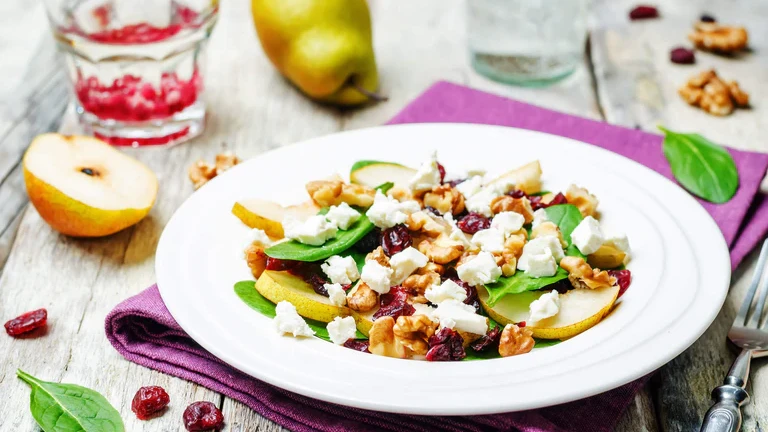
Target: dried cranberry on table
point(446, 345)
point(395, 239)
point(643, 12)
point(473, 222)
point(623, 278)
point(203, 416)
point(682, 55)
point(27, 322)
point(357, 345)
point(394, 304)
point(149, 401)
point(488, 340)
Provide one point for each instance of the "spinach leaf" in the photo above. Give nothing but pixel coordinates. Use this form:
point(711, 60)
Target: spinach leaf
point(701, 166)
point(566, 217)
point(385, 187)
point(293, 250)
point(364, 163)
point(543, 343)
point(247, 292)
point(67, 407)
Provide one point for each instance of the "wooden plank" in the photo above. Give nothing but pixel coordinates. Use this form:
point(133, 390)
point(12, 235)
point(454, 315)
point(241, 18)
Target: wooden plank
point(637, 88)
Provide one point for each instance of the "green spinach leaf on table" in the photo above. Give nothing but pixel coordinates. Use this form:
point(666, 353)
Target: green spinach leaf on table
point(60, 407)
point(246, 291)
point(701, 166)
point(566, 217)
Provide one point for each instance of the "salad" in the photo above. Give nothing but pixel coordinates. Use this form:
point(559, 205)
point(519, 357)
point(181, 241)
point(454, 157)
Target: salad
point(409, 263)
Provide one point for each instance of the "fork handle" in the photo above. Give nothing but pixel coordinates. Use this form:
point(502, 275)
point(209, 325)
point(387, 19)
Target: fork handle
point(725, 414)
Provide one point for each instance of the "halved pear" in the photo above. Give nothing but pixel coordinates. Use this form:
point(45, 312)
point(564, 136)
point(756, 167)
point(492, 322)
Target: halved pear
point(83, 187)
point(268, 215)
point(277, 286)
point(526, 178)
point(580, 309)
point(372, 174)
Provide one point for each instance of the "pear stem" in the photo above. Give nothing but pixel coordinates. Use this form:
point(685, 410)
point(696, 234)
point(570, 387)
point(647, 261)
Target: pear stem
point(371, 95)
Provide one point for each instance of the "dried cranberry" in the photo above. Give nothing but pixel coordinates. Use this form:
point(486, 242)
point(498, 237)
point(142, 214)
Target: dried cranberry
point(517, 193)
point(521, 324)
point(149, 401)
point(557, 200)
point(277, 264)
point(472, 298)
point(203, 416)
point(433, 210)
point(561, 286)
point(369, 242)
point(318, 284)
point(682, 55)
point(441, 168)
point(707, 18)
point(357, 345)
point(456, 182)
point(623, 278)
point(27, 322)
point(394, 304)
point(488, 340)
point(446, 345)
point(395, 239)
point(536, 202)
point(643, 12)
point(473, 222)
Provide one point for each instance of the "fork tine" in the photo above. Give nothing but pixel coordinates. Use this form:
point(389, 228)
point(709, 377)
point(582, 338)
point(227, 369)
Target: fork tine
point(741, 317)
point(757, 314)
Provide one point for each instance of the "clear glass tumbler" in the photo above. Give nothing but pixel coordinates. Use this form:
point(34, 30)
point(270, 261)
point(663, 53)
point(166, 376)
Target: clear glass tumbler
point(136, 66)
point(526, 42)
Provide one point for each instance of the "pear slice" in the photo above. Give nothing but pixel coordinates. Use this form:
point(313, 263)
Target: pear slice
point(277, 286)
point(268, 215)
point(83, 187)
point(373, 173)
point(607, 257)
point(580, 309)
point(526, 178)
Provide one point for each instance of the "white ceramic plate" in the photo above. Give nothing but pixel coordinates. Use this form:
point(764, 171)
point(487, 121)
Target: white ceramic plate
point(680, 269)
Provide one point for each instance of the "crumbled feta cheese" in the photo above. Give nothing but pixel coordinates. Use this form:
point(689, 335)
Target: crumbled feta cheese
point(480, 270)
point(457, 234)
point(587, 235)
point(406, 262)
point(481, 201)
point(541, 264)
point(258, 236)
point(341, 329)
point(377, 277)
point(287, 320)
point(342, 215)
point(538, 246)
point(459, 316)
point(387, 212)
point(508, 222)
point(489, 240)
point(539, 216)
point(336, 294)
point(314, 231)
point(548, 305)
point(426, 310)
point(427, 176)
point(447, 290)
point(471, 186)
point(340, 270)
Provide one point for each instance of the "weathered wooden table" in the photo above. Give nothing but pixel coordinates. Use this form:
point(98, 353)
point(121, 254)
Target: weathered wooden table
point(626, 79)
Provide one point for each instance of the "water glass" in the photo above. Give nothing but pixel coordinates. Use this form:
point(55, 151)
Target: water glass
point(526, 42)
point(136, 66)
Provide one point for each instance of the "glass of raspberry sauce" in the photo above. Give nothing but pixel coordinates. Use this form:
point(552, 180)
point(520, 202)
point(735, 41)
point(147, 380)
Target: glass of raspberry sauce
point(136, 66)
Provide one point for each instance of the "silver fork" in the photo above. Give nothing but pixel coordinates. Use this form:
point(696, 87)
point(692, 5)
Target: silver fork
point(750, 336)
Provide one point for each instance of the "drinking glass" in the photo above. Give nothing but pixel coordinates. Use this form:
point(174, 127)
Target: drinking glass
point(526, 42)
point(136, 66)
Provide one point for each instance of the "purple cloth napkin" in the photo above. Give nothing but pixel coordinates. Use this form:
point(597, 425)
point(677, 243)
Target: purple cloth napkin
point(143, 331)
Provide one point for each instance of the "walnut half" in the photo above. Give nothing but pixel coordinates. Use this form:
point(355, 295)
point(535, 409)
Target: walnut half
point(201, 171)
point(362, 298)
point(413, 332)
point(334, 192)
point(445, 199)
point(718, 37)
point(515, 340)
point(382, 341)
point(713, 95)
point(583, 276)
